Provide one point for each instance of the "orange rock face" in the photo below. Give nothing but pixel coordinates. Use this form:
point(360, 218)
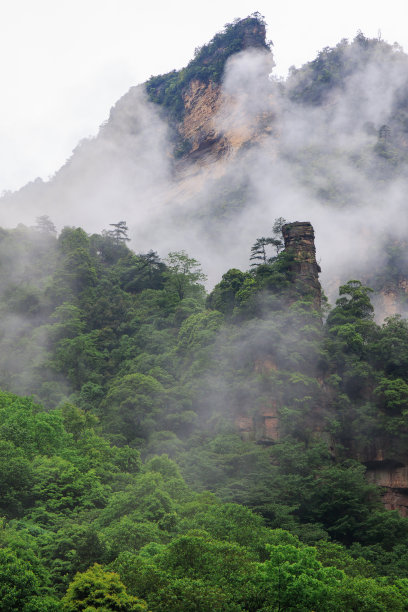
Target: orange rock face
point(262, 428)
point(201, 103)
point(265, 365)
point(395, 480)
point(216, 125)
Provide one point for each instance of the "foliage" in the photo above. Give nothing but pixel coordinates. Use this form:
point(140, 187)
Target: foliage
point(129, 359)
point(188, 452)
point(97, 589)
point(182, 275)
point(258, 251)
point(119, 234)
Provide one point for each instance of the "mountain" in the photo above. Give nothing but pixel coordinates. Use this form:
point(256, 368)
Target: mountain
point(221, 148)
point(191, 98)
point(166, 446)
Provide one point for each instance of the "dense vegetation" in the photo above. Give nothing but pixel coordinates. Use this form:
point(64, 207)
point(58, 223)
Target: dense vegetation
point(127, 481)
point(125, 484)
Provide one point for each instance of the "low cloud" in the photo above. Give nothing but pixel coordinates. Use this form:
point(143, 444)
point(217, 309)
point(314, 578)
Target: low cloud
point(319, 163)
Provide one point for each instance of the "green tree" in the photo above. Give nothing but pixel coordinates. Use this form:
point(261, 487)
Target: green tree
point(224, 296)
point(20, 588)
point(259, 253)
point(183, 275)
point(131, 404)
point(354, 305)
point(142, 271)
point(390, 347)
point(45, 225)
point(15, 480)
point(295, 580)
point(120, 232)
point(259, 250)
point(97, 589)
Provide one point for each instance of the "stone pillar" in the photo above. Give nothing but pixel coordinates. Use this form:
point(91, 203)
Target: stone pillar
point(299, 241)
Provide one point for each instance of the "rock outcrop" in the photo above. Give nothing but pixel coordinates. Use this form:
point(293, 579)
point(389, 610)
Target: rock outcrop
point(263, 427)
point(299, 241)
point(202, 102)
point(192, 99)
point(201, 125)
point(394, 477)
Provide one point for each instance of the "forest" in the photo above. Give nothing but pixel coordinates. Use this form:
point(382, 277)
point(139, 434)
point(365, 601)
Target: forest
point(125, 482)
point(169, 444)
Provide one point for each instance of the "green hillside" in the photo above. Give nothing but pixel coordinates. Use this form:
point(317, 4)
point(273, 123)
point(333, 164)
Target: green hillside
point(168, 448)
point(126, 454)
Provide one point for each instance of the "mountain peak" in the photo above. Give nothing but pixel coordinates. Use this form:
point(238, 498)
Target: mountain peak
point(208, 63)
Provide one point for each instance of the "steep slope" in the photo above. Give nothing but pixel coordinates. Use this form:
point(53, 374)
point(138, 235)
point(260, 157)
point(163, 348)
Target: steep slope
point(192, 97)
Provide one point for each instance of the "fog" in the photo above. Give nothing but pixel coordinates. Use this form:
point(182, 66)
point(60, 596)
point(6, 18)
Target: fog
point(302, 161)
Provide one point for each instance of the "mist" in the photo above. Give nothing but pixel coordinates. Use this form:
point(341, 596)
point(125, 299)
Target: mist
point(302, 161)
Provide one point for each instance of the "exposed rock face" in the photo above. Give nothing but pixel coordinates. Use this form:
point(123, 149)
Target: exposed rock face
point(262, 428)
point(388, 279)
point(215, 125)
point(253, 35)
point(392, 477)
point(203, 100)
point(396, 499)
point(299, 240)
point(246, 427)
point(387, 467)
point(395, 479)
point(267, 425)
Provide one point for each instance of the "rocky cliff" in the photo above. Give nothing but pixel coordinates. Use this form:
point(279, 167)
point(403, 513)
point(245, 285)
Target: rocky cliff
point(192, 98)
point(393, 477)
point(263, 426)
point(299, 241)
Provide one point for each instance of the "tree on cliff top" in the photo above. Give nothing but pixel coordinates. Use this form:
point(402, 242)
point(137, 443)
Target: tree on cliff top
point(120, 232)
point(259, 252)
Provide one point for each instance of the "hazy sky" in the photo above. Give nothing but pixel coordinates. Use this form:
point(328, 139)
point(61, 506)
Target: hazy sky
point(64, 63)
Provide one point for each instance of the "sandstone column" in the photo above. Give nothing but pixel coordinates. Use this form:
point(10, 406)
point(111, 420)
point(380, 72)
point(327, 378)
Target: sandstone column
point(299, 241)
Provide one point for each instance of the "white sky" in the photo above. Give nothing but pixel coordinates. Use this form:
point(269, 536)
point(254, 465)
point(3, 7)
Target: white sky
point(64, 63)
